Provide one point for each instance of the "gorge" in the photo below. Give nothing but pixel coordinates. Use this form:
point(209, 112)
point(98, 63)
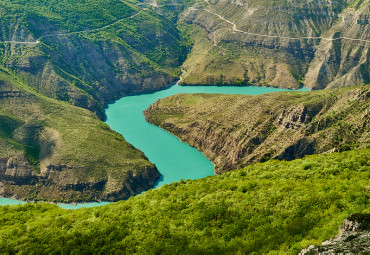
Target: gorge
point(267, 173)
point(175, 160)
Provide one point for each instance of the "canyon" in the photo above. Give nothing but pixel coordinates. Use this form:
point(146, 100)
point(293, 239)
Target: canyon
point(89, 54)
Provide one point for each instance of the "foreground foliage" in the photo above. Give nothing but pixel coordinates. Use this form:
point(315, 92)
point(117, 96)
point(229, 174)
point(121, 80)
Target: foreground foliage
point(272, 206)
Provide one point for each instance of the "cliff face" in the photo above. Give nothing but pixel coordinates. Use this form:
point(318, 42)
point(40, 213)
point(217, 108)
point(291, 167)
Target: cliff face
point(278, 43)
point(51, 150)
point(235, 130)
point(69, 183)
point(343, 62)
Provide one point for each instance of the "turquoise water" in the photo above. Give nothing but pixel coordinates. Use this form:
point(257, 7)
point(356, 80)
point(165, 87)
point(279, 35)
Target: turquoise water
point(174, 159)
point(9, 201)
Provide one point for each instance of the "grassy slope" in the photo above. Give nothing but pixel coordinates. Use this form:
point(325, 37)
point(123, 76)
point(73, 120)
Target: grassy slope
point(52, 133)
point(235, 130)
point(72, 15)
point(276, 206)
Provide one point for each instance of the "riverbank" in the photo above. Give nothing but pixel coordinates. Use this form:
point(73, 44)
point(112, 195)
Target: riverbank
point(174, 159)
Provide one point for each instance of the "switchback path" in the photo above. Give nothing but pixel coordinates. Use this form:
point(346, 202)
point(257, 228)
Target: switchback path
point(235, 29)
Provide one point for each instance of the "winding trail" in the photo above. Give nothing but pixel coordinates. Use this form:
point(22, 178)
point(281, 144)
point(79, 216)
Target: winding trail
point(17, 42)
point(155, 4)
point(235, 29)
point(76, 32)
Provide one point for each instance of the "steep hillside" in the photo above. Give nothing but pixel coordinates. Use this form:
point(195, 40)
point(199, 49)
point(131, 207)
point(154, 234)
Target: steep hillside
point(343, 62)
point(50, 150)
point(89, 52)
point(236, 130)
point(92, 52)
point(276, 43)
point(274, 207)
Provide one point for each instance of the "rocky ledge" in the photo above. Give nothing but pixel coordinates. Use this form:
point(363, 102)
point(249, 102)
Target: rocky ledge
point(353, 238)
point(62, 183)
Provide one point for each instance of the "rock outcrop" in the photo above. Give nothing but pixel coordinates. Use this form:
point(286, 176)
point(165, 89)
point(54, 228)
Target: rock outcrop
point(353, 238)
point(67, 183)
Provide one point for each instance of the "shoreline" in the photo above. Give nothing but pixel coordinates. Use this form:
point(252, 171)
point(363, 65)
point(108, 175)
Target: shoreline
point(96, 203)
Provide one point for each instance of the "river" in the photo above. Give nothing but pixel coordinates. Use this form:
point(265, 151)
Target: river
point(174, 159)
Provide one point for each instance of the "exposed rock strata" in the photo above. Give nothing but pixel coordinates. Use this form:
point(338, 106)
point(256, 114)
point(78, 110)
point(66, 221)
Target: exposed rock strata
point(353, 238)
point(343, 62)
point(64, 183)
point(282, 44)
point(235, 130)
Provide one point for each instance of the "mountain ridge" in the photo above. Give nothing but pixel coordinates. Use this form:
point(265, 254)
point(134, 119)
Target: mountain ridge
point(268, 60)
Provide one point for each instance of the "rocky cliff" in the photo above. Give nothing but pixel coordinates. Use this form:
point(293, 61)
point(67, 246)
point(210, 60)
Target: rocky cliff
point(343, 62)
point(50, 150)
point(236, 130)
point(278, 43)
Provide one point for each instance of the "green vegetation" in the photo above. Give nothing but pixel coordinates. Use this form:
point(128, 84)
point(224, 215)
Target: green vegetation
point(90, 52)
point(276, 206)
point(67, 14)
